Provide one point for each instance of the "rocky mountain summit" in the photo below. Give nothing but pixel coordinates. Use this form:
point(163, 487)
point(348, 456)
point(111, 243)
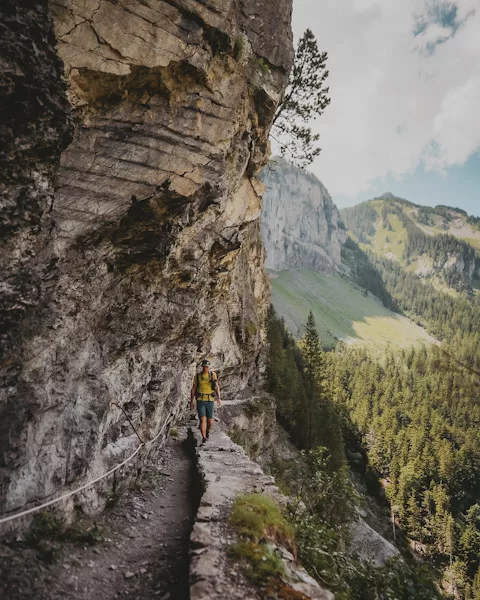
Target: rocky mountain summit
point(300, 224)
point(438, 243)
point(130, 233)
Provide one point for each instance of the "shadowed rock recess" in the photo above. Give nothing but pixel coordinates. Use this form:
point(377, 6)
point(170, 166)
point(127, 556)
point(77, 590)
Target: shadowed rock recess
point(133, 250)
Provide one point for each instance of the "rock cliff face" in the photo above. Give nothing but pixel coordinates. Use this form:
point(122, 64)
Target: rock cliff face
point(427, 266)
point(148, 254)
point(300, 223)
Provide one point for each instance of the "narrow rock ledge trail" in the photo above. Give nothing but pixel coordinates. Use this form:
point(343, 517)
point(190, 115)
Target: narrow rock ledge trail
point(143, 552)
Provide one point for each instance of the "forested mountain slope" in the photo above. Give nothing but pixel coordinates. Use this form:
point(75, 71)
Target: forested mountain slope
point(440, 244)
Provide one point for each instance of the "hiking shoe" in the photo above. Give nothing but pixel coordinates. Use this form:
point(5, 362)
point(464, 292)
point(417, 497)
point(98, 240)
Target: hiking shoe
point(204, 440)
point(208, 434)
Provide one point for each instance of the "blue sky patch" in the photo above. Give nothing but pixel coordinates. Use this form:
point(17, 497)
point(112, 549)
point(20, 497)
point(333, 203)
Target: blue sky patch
point(441, 13)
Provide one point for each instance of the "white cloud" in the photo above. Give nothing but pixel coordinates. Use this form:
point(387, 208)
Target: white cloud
point(457, 126)
point(398, 99)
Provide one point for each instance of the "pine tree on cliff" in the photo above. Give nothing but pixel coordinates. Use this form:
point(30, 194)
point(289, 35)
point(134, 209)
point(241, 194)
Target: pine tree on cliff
point(306, 97)
point(314, 375)
point(321, 419)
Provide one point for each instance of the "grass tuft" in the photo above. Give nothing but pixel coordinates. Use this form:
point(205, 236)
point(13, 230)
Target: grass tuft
point(47, 535)
point(261, 526)
point(263, 66)
point(250, 329)
point(259, 518)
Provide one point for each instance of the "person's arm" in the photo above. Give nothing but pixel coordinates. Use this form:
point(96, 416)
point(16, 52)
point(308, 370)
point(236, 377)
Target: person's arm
point(217, 391)
point(192, 393)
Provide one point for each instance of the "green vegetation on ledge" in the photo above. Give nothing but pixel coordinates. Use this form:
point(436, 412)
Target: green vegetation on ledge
point(262, 527)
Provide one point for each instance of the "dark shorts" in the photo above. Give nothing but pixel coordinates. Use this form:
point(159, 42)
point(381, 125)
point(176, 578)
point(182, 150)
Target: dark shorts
point(205, 408)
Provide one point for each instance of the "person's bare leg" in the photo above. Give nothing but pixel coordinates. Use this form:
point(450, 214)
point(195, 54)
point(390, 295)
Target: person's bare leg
point(209, 425)
point(203, 426)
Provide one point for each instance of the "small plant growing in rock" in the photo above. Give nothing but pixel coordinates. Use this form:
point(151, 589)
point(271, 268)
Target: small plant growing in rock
point(44, 526)
point(238, 46)
point(44, 536)
point(241, 48)
point(174, 433)
point(250, 329)
point(261, 526)
point(238, 436)
point(263, 66)
point(253, 409)
point(261, 562)
point(47, 535)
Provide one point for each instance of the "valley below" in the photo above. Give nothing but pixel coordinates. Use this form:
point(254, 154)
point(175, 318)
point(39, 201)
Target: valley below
point(342, 310)
point(383, 348)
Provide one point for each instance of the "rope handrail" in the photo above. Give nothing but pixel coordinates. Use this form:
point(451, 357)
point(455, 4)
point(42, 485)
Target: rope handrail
point(88, 484)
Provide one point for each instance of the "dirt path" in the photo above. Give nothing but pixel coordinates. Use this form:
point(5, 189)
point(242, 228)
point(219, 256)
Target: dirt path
point(143, 552)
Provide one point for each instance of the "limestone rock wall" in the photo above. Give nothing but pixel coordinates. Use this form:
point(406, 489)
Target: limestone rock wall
point(300, 223)
point(148, 255)
point(35, 127)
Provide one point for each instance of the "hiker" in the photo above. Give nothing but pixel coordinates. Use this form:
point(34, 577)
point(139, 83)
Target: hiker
point(205, 388)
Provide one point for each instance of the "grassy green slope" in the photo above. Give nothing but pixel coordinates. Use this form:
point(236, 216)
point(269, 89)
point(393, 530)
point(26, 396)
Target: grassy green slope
point(341, 310)
point(385, 238)
point(391, 241)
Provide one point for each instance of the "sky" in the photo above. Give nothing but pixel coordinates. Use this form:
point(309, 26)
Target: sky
point(405, 99)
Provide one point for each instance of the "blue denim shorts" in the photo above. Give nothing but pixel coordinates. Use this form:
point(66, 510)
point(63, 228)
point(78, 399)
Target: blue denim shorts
point(205, 408)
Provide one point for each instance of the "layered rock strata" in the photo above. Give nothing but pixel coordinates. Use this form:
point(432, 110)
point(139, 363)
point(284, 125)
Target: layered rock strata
point(226, 472)
point(148, 255)
point(300, 224)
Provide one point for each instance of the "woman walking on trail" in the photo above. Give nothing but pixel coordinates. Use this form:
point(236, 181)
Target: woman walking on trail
point(205, 387)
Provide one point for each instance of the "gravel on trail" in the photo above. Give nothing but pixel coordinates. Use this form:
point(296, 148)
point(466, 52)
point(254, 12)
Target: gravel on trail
point(143, 547)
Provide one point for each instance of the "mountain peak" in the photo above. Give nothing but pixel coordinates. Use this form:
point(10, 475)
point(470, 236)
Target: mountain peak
point(387, 196)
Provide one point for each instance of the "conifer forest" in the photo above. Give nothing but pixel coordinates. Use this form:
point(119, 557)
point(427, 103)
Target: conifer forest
point(405, 422)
